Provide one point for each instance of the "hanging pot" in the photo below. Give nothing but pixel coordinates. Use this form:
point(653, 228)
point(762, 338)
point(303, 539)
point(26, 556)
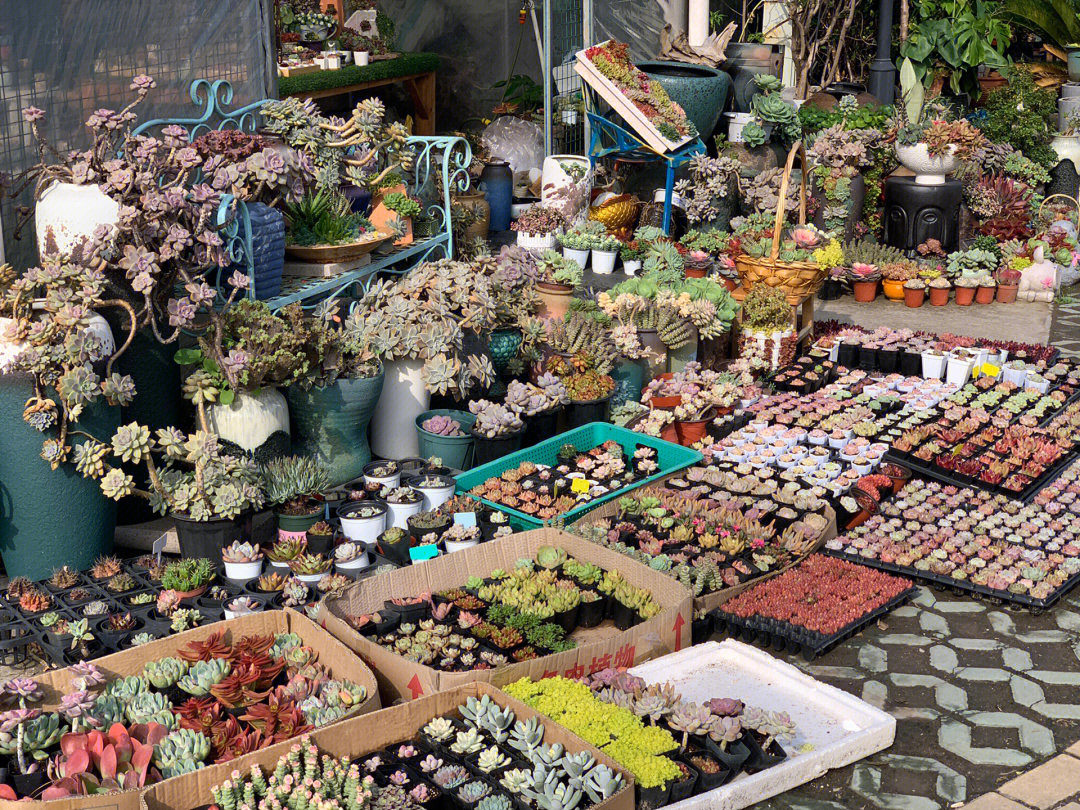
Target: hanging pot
point(404, 397)
point(331, 423)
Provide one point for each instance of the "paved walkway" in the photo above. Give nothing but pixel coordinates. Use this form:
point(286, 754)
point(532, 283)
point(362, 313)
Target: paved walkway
point(1065, 329)
point(1054, 785)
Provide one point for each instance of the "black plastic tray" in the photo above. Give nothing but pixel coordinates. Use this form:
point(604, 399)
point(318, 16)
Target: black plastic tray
point(787, 636)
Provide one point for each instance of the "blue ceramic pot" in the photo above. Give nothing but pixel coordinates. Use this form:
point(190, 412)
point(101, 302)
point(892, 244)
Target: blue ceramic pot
point(498, 181)
point(267, 249)
point(701, 91)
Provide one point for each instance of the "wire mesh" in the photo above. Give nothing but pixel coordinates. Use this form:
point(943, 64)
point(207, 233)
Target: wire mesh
point(568, 128)
point(71, 57)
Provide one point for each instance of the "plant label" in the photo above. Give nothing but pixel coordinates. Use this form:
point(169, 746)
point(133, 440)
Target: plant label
point(467, 519)
point(421, 553)
point(579, 486)
point(158, 548)
point(990, 370)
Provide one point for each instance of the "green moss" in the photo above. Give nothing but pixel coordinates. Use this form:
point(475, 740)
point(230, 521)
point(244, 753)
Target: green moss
point(405, 65)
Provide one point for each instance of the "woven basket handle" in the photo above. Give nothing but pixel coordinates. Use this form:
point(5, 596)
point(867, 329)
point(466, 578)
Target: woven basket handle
point(778, 225)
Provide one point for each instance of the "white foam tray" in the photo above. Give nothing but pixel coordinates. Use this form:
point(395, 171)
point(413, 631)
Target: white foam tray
point(841, 728)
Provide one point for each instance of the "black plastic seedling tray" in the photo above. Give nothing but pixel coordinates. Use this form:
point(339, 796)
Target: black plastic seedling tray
point(797, 641)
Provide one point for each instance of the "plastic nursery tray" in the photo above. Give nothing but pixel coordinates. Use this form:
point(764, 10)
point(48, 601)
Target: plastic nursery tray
point(840, 728)
point(781, 635)
point(958, 586)
point(670, 458)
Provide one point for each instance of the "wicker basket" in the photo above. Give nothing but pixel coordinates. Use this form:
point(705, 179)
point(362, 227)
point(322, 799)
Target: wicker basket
point(798, 279)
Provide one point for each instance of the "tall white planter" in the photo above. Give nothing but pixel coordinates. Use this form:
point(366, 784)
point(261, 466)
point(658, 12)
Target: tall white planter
point(404, 397)
point(71, 213)
point(250, 419)
point(562, 192)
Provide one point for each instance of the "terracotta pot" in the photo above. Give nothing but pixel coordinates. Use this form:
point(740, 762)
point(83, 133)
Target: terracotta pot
point(1006, 293)
point(669, 433)
point(939, 296)
point(695, 272)
point(914, 298)
point(380, 215)
point(730, 283)
point(865, 291)
point(690, 432)
point(965, 296)
point(192, 594)
point(554, 299)
point(476, 201)
point(894, 290)
point(984, 295)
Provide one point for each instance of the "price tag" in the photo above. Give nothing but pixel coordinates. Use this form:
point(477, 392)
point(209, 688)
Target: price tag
point(990, 370)
point(159, 545)
point(579, 486)
point(467, 519)
point(421, 553)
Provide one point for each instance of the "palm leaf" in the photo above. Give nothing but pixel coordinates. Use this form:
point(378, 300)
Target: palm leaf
point(1055, 20)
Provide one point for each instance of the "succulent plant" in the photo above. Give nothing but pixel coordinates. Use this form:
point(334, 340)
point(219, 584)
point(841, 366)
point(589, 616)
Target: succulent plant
point(494, 420)
point(184, 619)
point(150, 707)
point(286, 549)
point(472, 792)
point(467, 742)
point(165, 672)
point(126, 688)
point(97, 607)
point(204, 674)
point(237, 552)
point(35, 601)
point(105, 567)
point(63, 578)
point(307, 564)
point(139, 639)
point(118, 622)
point(271, 582)
point(450, 777)
point(439, 729)
point(691, 718)
point(144, 598)
point(491, 759)
point(182, 751)
point(442, 425)
point(243, 605)
point(121, 582)
point(295, 593)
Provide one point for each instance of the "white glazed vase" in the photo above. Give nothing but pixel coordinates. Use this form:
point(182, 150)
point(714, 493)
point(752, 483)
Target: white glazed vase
point(98, 326)
point(404, 397)
point(929, 171)
point(559, 190)
point(250, 419)
point(70, 213)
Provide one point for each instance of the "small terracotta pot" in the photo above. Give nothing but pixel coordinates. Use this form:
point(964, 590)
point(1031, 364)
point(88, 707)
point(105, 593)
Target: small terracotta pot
point(894, 290)
point(1006, 293)
point(695, 272)
point(669, 433)
point(690, 432)
point(554, 299)
point(192, 594)
point(914, 298)
point(939, 296)
point(965, 296)
point(984, 295)
point(865, 291)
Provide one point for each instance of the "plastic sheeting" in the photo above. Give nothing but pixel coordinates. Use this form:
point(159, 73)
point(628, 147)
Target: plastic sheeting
point(71, 57)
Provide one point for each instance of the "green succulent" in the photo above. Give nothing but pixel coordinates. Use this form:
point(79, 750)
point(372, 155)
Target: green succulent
point(204, 674)
point(126, 688)
point(151, 707)
point(165, 672)
point(182, 751)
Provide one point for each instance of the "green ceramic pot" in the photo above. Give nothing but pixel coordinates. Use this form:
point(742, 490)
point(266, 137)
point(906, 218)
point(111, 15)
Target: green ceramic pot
point(43, 511)
point(504, 345)
point(629, 376)
point(701, 91)
point(331, 424)
point(455, 451)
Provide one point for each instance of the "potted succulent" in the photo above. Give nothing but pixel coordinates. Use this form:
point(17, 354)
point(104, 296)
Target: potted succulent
point(984, 293)
point(241, 606)
point(362, 521)
point(837, 156)
point(310, 568)
point(538, 228)
point(382, 473)
point(589, 386)
point(914, 292)
point(436, 489)
point(605, 249)
point(1008, 282)
point(632, 254)
point(497, 430)
point(864, 280)
point(445, 434)
point(285, 550)
point(402, 502)
point(557, 279)
point(893, 277)
point(294, 485)
point(933, 363)
point(188, 578)
point(538, 405)
point(405, 209)
point(939, 291)
point(459, 537)
point(578, 241)
point(350, 557)
point(394, 544)
point(965, 290)
point(243, 561)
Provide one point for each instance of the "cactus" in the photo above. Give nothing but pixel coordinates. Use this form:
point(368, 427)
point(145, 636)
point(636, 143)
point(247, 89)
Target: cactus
point(105, 567)
point(121, 582)
point(63, 578)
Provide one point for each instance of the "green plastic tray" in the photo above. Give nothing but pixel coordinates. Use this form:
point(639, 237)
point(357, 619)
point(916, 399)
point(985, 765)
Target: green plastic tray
point(670, 458)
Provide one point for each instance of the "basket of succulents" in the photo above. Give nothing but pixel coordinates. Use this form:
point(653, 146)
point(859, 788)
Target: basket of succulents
point(557, 278)
point(864, 280)
point(446, 434)
point(497, 431)
point(914, 292)
point(294, 486)
point(419, 324)
point(538, 228)
point(770, 258)
point(930, 142)
point(332, 403)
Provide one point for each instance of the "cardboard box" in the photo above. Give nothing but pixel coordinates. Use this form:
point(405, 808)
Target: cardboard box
point(362, 735)
point(717, 598)
point(336, 656)
point(598, 648)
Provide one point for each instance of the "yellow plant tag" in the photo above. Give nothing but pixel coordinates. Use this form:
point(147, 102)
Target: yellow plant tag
point(990, 370)
point(579, 486)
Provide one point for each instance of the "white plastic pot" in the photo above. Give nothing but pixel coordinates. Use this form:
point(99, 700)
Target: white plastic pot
point(391, 481)
point(1041, 386)
point(364, 530)
point(246, 570)
point(398, 514)
point(404, 397)
point(361, 58)
point(458, 545)
point(280, 566)
point(631, 266)
point(603, 262)
point(933, 365)
point(236, 615)
point(959, 369)
point(579, 256)
point(310, 579)
point(361, 562)
point(1016, 376)
point(736, 122)
point(434, 497)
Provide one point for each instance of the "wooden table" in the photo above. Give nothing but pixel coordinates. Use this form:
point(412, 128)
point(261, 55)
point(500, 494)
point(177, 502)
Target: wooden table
point(802, 315)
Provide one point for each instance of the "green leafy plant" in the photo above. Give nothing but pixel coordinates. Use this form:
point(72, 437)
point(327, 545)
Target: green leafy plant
point(324, 218)
point(188, 575)
point(954, 38)
point(1023, 115)
point(403, 205)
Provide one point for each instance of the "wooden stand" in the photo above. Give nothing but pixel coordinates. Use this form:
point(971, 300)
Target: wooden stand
point(420, 87)
point(802, 316)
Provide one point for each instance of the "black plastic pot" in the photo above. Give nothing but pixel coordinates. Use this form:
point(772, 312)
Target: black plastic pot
point(685, 788)
point(397, 553)
point(208, 537)
point(540, 427)
point(486, 449)
point(867, 358)
point(654, 797)
point(888, 360)
point(582, 413)
point(734, 756)
point(568, 619)
point(911, 364)
point(831, 290)
point(847, 354)
point(319, 543)
point(708, 781)
point(701, 629)
point(28, 784)
point(418, 532)
point(760, 758)
point(590, 614)
point(625, 617)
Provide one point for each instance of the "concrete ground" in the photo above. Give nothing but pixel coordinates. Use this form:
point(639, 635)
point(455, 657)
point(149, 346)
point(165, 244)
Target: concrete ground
point(1065, 329)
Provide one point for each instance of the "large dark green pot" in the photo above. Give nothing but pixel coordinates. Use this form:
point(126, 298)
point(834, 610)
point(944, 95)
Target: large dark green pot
point(331, 424)
point(701, 91)
point(49, 518)
point(629, 376)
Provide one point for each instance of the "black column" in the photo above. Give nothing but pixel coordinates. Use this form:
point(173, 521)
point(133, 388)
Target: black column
point(882, 70)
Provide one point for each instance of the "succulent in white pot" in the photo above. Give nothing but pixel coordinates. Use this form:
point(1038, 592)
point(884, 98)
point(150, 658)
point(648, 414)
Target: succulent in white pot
point(351, 556)
point(242, 561)
point(363, 521)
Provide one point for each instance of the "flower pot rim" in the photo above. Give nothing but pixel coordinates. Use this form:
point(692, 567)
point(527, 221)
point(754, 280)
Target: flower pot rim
point(555, 288)
point(512, 434)
point(344, 509)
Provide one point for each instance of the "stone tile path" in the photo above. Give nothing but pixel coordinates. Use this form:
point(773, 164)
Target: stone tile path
point(1065, 328)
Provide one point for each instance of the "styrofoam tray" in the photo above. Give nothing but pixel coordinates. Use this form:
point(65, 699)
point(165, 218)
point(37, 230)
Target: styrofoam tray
point(841, 728)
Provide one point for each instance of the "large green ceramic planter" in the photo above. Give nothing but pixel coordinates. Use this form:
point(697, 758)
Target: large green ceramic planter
point(629, 376)
point(331, 424)
point(701, 91)
point(48, 517)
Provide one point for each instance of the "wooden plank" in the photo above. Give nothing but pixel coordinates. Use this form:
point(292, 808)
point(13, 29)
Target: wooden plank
point(355, 88)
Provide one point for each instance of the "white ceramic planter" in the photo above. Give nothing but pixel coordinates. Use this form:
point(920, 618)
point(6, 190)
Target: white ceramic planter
point(458, 545)
point(631, 267)
point(248, 570)
point(1040, 385)
point(535, 241)
point(603, 262)
point(361, 58)
point(398, 514)
point(251, 418)
point(364, 530)
point(1067, 147)
point(579, 256)
point(736, 122)
point(562, 192)
point(71, 213)
point(933, 365)
point(404, 397)
point(929, 171)
point(280, 566)
point(360, 563)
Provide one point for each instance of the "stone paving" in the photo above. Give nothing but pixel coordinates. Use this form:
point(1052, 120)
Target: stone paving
point(1065, 328)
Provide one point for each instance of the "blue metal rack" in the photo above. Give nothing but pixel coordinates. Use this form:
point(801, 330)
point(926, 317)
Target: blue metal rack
point(441, 166)
point(608, 139)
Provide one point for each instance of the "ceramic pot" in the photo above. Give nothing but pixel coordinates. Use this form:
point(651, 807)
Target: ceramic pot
point(256, 423)
point(736, 122)
point(929, 171)
point(497, 181)
point(404, 397)
point(914, 298)
point(331, 424)
point(864, 291)
point(476, 201)
point(536, 241)
point(503, 345)
point(745, 60)
point(631, 266)
point(603, 262)
point(579, 256)
point(894, 290)
point(559, 189)
point(69, 213)
point(656, 361)
point(554, 299)
point(700, 90)
point(455, 451)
